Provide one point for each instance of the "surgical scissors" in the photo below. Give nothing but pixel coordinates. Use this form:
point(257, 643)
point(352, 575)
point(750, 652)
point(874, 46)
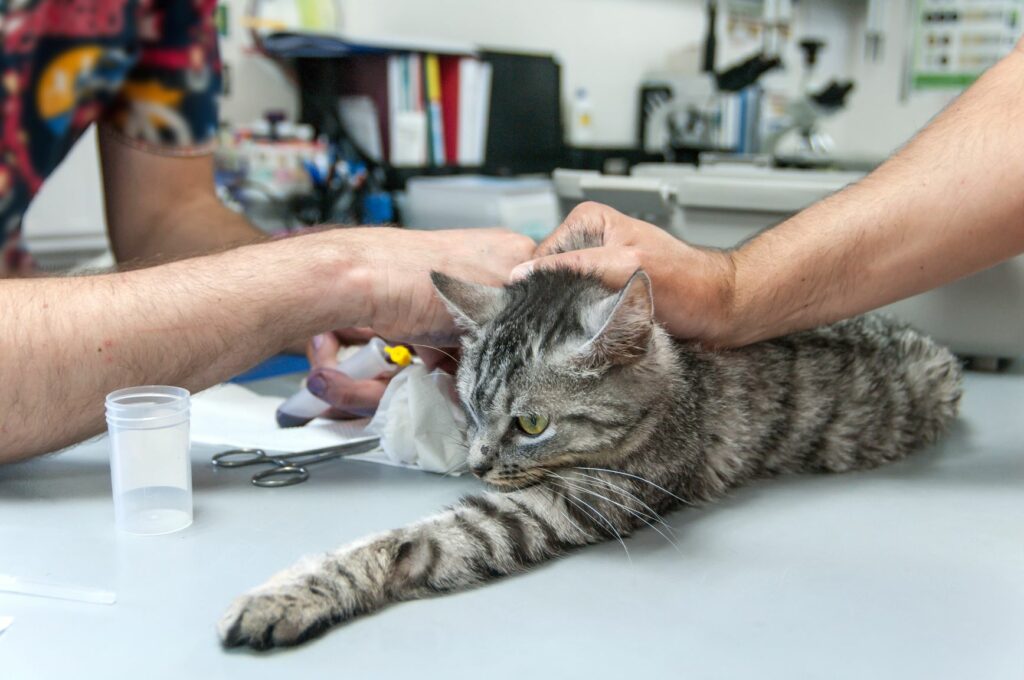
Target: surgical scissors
point(288, 468)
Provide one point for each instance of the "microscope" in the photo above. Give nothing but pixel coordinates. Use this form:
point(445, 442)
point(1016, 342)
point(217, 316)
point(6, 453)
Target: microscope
point(797, 139)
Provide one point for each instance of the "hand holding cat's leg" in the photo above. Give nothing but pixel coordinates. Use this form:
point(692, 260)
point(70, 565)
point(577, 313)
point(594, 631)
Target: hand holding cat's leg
point(483, 538)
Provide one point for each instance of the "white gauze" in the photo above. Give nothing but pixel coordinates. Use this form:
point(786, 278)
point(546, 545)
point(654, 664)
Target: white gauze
point(419, 421)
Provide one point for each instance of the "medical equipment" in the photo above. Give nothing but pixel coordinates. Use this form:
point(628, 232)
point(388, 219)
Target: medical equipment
point(150, 468)
point(812, 145)
point(374, 358)
point(523, 204)
point(288, 468)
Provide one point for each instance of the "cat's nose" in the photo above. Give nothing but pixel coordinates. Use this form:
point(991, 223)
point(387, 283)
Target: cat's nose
point(481, 468)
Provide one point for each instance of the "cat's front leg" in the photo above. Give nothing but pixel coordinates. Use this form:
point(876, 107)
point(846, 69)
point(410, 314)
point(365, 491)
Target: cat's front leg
point(307, 598)
point(483, 538)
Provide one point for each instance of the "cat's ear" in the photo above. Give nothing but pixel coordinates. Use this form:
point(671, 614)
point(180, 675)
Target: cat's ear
point(472, 304)
point(620, 326)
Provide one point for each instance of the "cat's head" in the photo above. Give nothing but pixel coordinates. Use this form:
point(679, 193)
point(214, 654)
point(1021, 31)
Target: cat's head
point(556, 371)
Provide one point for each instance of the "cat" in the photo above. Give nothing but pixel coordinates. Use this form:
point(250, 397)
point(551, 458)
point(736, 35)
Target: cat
point(588, 421)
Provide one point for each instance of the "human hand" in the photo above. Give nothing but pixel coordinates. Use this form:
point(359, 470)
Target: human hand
point(348, 397)
point(692, 286)
point(394, 268)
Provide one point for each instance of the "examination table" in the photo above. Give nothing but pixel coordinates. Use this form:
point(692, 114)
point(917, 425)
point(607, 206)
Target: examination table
point(911, 571)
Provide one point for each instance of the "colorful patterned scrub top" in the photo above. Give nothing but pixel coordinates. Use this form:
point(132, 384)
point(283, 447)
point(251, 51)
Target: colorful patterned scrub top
point(147, 70)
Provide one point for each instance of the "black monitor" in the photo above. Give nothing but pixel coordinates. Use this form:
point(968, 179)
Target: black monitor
point(525, 130)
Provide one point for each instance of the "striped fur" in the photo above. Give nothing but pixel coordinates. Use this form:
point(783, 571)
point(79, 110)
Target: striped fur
point(640, 425)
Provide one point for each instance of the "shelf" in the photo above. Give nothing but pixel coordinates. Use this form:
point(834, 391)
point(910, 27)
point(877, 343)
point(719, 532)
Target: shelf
point(309, 44)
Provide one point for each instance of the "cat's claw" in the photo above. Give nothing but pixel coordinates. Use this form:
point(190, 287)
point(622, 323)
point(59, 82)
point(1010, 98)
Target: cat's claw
point(282, 617)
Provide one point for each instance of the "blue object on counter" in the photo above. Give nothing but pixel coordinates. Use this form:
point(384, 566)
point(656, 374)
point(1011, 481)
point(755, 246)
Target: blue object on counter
point(314, 173)
point(378, 208)
point(281, 364)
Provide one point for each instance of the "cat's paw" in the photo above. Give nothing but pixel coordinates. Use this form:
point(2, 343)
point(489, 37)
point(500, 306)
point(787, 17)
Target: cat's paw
point(285, 615)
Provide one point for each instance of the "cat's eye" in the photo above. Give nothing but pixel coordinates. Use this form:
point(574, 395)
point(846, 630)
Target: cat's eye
point(532, 425)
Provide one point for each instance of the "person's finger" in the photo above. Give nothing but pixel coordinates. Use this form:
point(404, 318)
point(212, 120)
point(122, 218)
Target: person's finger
point(322, 350)
point(584, 223)
point(354, 336)
point(613, 265)
point(359, 397)
point(338, 414)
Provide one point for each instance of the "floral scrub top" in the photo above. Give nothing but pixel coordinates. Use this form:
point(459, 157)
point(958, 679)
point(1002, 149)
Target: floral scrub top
point(146, 70)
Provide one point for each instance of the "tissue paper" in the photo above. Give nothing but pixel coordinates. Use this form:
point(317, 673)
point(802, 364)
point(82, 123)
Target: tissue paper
point(420, 423)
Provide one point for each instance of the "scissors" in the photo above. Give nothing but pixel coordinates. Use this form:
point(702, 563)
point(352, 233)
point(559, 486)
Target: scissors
point(288, 468)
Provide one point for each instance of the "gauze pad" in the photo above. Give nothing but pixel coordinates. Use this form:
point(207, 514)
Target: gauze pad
point(420, 423)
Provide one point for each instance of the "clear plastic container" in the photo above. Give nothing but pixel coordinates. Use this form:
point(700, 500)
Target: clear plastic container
point(150, 468)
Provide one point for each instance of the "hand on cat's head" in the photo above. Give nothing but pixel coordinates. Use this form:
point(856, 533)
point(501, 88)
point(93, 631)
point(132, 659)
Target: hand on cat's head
point(692, 287)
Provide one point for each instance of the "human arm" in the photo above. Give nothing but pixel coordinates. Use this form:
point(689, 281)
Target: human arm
point(947, 205)
point(161, 207)
point(196, 322)
point(156, 141)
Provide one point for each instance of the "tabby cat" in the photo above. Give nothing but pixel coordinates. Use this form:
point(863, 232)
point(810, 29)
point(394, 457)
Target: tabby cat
point(588, 421)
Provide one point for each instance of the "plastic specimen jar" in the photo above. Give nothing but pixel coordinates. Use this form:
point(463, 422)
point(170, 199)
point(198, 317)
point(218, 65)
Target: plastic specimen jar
point(150, 468)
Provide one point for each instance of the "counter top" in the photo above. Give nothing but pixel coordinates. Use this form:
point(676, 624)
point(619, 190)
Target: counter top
point(915, 570)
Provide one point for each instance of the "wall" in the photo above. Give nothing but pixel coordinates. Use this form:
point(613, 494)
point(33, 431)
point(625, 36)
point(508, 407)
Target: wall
point(879, 119)
point(604, 45)
point(65, 221)
point(607, 46)
point(255, 84)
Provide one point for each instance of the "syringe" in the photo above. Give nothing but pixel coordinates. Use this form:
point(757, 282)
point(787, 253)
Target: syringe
point(375, 358)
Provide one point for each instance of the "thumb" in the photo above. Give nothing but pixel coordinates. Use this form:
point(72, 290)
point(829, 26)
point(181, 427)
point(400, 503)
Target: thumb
point(342, 392)
point(322, 350)
point(614, 266)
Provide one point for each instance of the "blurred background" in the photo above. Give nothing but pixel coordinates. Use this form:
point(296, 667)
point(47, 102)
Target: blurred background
point(713, 119)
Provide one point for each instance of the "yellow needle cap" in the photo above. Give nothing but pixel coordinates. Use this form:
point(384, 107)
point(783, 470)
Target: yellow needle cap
point(399, 356)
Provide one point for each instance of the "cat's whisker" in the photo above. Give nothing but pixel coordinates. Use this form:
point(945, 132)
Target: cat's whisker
point(624, 492)
point(455, 470)
point(580, 486)
point(637, 477)
point(421, 377)
point(570, 496)
point(563, 513)
point(631, 511)
point(449, 437)
point(436, 349)
point(594, 512)
point(458, 464)
point(644, 519)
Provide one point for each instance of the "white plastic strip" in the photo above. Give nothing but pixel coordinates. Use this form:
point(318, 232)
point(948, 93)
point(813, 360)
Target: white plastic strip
point(59, 591)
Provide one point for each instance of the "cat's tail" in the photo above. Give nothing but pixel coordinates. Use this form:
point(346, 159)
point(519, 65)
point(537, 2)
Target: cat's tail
point(906, 387)
point(934, 382)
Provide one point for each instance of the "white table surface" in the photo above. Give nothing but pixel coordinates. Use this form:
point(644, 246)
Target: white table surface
point(912, 571)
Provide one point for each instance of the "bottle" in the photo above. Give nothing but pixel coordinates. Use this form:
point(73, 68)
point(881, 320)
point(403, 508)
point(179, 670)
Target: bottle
point(373, 359)
point(582, 130)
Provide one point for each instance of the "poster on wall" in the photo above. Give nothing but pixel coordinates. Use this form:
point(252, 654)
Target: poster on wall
point(955, 41)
